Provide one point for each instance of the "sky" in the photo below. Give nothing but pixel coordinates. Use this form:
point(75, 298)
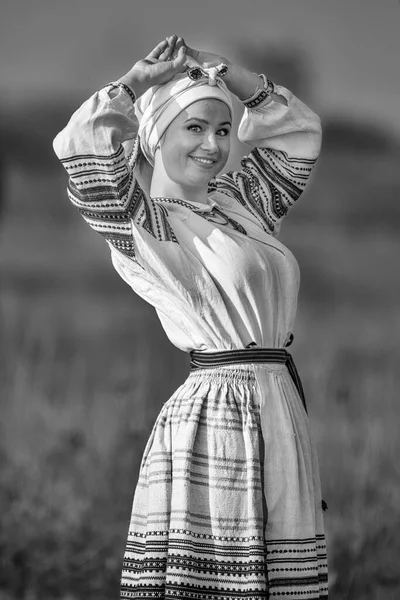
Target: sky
point(51, 47)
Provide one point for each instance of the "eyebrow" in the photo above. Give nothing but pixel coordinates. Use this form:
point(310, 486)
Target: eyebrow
point(206, 122)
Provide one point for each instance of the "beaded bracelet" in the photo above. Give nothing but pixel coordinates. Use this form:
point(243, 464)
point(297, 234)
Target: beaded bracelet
point(125, 88)
point(259, 88)
point(260, 94)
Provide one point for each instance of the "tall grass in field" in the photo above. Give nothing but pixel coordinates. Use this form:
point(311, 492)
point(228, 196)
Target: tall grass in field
point(76, 415)
point(75, 418)
point(85, 368)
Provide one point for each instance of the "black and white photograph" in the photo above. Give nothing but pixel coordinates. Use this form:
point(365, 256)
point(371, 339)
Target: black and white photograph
point(199, 300)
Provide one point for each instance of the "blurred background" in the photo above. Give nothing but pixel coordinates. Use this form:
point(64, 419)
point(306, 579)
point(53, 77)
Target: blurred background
point(85, 366)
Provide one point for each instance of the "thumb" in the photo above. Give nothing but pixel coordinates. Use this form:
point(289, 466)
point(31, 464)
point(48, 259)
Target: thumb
point(179, 60)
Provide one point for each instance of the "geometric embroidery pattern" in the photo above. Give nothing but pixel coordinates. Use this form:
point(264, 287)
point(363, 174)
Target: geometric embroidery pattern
point(197, 528)
point(109, 198)
point(199, 514)
point(268, 185)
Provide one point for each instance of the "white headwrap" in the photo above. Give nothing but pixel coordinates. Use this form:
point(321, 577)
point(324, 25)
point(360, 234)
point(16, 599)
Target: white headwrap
point(159, 106)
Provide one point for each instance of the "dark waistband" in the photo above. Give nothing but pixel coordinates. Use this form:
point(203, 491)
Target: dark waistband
point(216, 358)
point(253, 354)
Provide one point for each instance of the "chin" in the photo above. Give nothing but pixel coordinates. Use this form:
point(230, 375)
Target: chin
point(198, 182)
point(206, 174)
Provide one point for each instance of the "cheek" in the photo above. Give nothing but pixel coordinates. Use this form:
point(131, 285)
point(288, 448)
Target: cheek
point(175, 159)
point(178, 148)
point(225, 151)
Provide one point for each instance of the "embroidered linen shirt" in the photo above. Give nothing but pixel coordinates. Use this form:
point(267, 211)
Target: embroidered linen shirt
point(217, 275)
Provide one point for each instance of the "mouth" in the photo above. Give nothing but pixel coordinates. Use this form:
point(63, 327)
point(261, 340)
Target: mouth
point(204, 162)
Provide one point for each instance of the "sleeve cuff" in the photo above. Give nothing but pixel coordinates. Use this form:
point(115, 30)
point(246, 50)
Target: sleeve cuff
point(261, 95)
point(125, 88)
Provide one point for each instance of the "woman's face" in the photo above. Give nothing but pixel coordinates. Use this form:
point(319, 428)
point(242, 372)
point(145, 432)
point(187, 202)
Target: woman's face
point(196, 144)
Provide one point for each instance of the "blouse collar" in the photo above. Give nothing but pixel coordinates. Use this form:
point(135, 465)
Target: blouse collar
point(198, 206)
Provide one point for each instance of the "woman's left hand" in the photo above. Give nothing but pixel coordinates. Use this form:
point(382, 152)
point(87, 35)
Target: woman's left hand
point(199, 58)
point(241, 82)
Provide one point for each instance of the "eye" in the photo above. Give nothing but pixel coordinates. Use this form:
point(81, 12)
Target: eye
point(197, 128)
point(224, 131)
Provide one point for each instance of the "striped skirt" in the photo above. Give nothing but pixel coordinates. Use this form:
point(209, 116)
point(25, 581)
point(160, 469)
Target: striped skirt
point(228, 501)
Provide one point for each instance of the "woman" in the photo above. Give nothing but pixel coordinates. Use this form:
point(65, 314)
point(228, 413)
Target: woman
point(228, 501)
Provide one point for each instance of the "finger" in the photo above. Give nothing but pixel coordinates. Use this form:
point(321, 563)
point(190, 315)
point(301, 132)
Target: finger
point(179, 60)
point(169, 48)
point(178, 45)
point(155, 53)
point(178, 64)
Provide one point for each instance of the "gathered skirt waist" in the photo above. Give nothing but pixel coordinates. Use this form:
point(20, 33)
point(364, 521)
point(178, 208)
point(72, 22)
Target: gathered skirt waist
point(250, 354)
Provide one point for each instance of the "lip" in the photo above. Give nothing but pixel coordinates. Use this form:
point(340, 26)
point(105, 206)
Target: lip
point(204, 165)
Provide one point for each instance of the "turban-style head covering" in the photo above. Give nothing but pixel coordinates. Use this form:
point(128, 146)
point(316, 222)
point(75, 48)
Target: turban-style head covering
point(159, 106)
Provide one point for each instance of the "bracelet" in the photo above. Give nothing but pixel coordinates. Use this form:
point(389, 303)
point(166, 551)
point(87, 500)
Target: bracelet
point(255, 93)
point(260, 94)
point(125, 88)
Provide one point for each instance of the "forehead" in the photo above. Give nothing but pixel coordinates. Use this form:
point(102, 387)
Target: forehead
point(210, 109)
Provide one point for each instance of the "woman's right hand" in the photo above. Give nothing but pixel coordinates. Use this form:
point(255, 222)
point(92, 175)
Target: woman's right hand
point(160, 65)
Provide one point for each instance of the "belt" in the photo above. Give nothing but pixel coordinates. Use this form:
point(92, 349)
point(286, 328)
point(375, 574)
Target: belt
point(250, 354)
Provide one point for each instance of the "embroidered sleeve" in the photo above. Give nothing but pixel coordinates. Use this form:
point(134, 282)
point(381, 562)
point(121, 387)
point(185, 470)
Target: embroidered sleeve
point(286, 141)
point(100, 151)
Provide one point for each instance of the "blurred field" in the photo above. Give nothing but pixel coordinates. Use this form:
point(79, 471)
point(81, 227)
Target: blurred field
point(85, 368)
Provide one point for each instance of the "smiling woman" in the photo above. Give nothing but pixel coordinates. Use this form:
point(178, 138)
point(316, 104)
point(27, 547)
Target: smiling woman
point(228, 502)
point(194, 149)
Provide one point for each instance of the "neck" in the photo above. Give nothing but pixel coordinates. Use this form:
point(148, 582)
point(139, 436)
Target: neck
point(164, 187)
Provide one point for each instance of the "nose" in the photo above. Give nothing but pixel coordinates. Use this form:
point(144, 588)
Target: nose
point(210, 142)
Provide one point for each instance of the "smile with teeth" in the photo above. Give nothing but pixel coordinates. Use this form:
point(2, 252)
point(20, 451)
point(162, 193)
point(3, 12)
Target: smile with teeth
point(205, 161)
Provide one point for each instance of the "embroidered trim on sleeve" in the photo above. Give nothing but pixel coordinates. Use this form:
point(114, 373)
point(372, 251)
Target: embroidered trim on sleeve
point(110, 200)
point(269, 184)
point(123, 87)
point(260, 94)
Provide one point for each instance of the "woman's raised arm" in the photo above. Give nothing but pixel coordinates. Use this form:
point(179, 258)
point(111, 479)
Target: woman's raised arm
point(99, 149)
point(285, 136)
point(286, 140)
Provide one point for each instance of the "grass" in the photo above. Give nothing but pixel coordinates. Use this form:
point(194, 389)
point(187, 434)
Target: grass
point(70, 436)
point(76, 414)
point(79, 397)
point(354, 397)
